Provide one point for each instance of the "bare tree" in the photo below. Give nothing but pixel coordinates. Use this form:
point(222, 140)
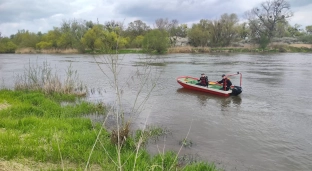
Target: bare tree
point(263, 20)
point(172, 27)
point(162, 24)
point(137, 28)
point(113, 26)
point(165, 24)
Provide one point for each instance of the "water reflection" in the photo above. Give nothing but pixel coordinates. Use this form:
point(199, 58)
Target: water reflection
point(203, 98)
point(231, 101)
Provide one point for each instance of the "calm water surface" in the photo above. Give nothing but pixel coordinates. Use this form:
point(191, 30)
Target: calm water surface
point(267, 127)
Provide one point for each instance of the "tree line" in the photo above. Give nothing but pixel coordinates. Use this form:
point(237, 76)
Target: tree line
point(264, 23)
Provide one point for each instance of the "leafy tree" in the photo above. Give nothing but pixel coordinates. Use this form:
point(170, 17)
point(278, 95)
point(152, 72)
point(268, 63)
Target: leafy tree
point(137, 42)
point(72, 32)
point(98, 38)
point(294, 31)
point(6, 45)
point(156, 40)
point(307, 37)
point(215, 33)
point(65, 41)
point(172, 27)
point(243, 30)
point(224, 30)
point(309, 29)
point(229, 28)
point(24, 38)
point(92, 38)
point(282, 29)
point(113, 41)
point(263, 41)
point(137, 28)
point(44, 45)
point(199, 33)
point(263, 20)
point(49, 40)
point(179, 31)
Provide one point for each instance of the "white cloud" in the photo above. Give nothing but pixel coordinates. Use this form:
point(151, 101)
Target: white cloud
point(43, 15)
point(302, 15)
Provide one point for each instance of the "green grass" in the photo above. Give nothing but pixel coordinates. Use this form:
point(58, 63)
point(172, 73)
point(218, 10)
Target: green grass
point(37, 127)
point(125, 51)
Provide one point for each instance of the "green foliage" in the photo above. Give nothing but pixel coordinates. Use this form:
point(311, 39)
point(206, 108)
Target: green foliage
point(309, 29)
point(179, 31)
point(137, 28)
point(7, 46)
point(227, 30)
point(243, 30)
point(164, 162)
point(196, 37)
point(137, 42)
point(199, 34)
point(25, 38)
point(156, 41)
point(90, 39)
point(201, 166)
point(307, 38)
point(52, 37)
point(65, 41)
point(263, 41)
point(126, 51)
point(215, 33)
point(150, 133)
point(44, 45)
point(98, 38)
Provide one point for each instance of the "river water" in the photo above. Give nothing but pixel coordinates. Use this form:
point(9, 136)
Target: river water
point(267, 127)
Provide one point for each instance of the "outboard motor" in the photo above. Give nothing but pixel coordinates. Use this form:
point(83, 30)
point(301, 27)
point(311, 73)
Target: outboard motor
point(236, 90)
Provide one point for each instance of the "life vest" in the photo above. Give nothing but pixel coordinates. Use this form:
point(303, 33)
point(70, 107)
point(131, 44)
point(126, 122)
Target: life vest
point(225, 81)
point(203, 80)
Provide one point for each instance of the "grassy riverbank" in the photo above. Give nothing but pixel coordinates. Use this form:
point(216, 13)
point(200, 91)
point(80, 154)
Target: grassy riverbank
point(40, 131)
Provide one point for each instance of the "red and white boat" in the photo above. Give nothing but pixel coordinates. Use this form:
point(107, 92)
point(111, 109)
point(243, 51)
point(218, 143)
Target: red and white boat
point(213, 87)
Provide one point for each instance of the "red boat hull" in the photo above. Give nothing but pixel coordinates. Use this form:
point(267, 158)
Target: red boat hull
point(183, 82)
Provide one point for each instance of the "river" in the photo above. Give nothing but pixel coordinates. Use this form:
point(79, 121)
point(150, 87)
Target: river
point(267, 127)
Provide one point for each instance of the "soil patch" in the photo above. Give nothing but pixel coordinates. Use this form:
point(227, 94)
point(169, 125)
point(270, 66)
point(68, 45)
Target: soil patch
point(4, 106)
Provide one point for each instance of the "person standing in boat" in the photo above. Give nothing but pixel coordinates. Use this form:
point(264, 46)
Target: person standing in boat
point(203, 80)
point(226, 83)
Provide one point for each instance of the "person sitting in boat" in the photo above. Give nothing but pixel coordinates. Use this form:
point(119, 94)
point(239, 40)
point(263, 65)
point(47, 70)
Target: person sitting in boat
point(226, 83)
point(203, 80)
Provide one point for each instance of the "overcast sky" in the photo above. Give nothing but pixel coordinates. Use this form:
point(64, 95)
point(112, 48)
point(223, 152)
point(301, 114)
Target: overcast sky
point(43, 15)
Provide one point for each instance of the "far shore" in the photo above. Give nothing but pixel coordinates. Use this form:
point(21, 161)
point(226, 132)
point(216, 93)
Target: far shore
point(273, 47)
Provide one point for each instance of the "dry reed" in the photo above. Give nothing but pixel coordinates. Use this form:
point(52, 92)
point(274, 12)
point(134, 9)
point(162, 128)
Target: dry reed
point(41, 78)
